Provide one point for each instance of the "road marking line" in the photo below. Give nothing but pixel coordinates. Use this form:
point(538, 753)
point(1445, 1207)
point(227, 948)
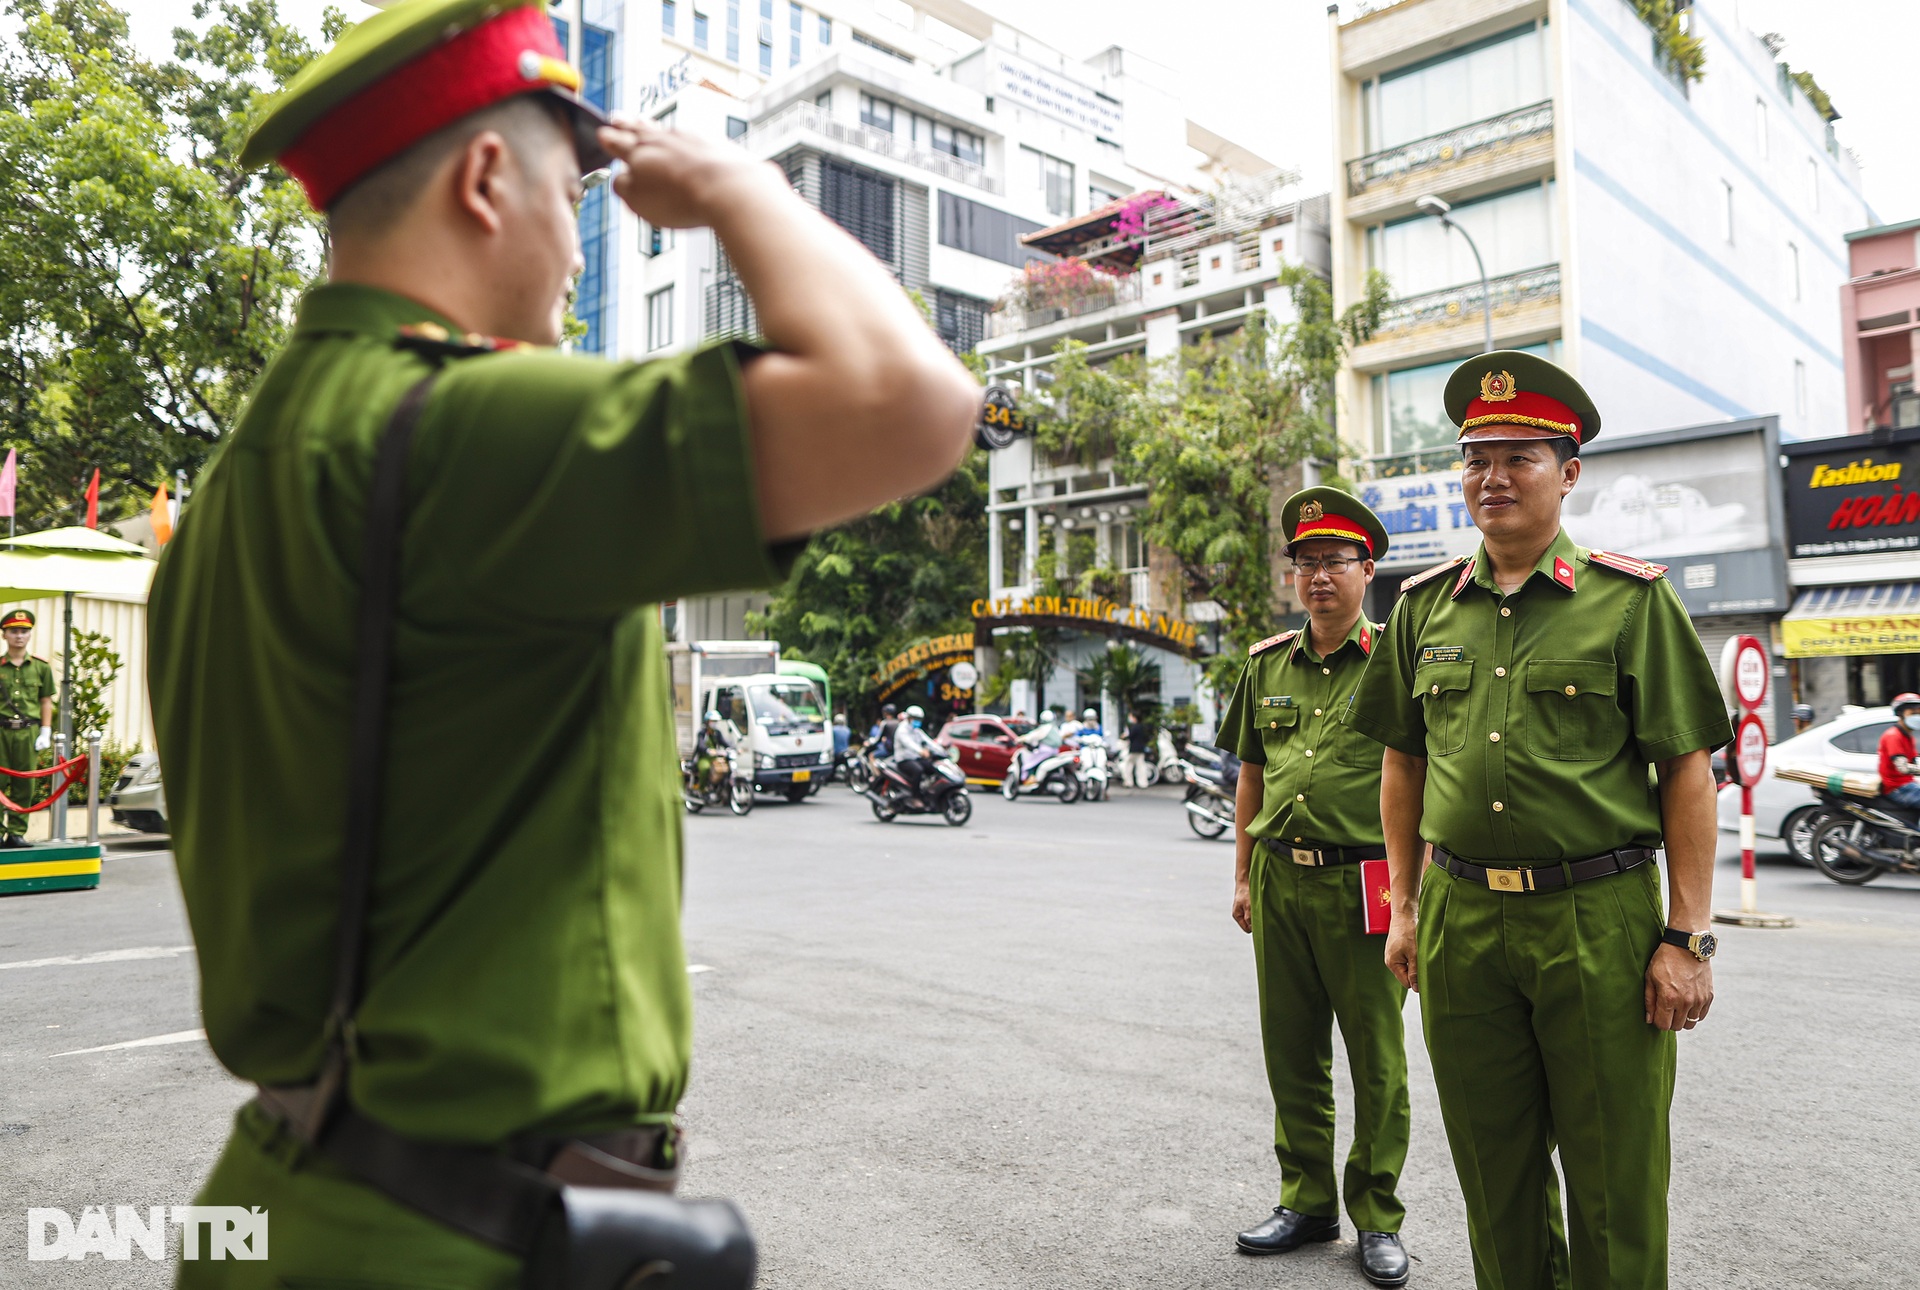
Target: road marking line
point(692, 968)
point(177, 1037)
point(104, 956)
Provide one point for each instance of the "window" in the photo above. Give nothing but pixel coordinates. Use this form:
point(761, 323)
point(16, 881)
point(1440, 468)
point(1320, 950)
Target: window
point(795, 14)
point(1813, 182)
point(1760, 127)
point(593, 294)
point(1793, 271)
point(860, 201)
point(1799, 387)
point(1495, 76)
point(735, 127)
point(876, 114)
point(699, 30)
point(982, 230)
point(660, 319)
point(1726, 211)
point(862, 38)
point(561, 33)
point(961, 321)
point(655, 240)
point(733, 31)
point(1409, 413)
point(1101, 190)
point(1862, 739)
point(824, 100)
point(668, 16)
point(766, 59)
point(1051, 176)
point(1514, 231)
point(826, 30)
point(596, 66)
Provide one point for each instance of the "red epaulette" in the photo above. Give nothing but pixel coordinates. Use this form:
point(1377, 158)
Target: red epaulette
point(1645, 570)
point(1270, 642)
point(1434, 572)
point(432, 338)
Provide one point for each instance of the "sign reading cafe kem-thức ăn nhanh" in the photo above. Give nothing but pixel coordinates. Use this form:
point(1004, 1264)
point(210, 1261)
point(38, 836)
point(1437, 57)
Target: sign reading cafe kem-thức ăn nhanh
point(1089, 613)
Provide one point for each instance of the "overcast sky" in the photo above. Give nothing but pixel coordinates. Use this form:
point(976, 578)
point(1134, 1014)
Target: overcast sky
point(1256, 71)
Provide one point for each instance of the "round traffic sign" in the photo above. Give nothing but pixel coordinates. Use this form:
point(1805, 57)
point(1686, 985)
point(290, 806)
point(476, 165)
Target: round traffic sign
point(963, 675)
point(1750, 749)
point(1744, 670)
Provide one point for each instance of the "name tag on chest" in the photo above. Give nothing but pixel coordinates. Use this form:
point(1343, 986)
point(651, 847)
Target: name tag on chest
point(1442, 653)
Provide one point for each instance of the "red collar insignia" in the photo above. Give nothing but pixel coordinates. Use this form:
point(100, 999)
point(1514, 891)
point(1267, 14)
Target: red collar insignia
point(1366, 639)
point(1563, 573)
point(1466, 576)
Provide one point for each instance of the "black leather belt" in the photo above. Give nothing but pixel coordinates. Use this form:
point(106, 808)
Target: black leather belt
point(1547, 875)
point(17, 723)
point(1316, 856)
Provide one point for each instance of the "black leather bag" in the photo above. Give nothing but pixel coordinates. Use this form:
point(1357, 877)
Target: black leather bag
point(604, 1238)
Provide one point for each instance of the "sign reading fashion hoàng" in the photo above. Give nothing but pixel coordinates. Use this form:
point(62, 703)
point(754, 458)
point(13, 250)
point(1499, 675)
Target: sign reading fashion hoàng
point(1846, 497)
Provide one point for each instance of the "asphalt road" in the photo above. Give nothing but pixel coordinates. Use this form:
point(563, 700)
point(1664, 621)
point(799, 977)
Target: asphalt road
point(1024, 1054)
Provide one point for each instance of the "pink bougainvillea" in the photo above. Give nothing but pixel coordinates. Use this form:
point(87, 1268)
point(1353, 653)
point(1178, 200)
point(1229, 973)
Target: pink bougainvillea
point(1131, 222)
point(1062, 284)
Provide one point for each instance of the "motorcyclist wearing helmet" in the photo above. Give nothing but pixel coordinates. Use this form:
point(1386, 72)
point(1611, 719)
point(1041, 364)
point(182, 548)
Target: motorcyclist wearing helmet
point(1042, 742)
point(1898, 760)
point(716, 734)
point(881, 736)
point(913, 748)
point(1090, 724)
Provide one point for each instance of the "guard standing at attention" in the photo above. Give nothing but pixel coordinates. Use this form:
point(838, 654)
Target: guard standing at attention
point(1307, 815)
point(26, 719)
point(525, 994)
point(1548, 713)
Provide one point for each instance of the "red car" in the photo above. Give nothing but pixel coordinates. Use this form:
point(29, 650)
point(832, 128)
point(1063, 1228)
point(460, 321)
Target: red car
point(982, 745)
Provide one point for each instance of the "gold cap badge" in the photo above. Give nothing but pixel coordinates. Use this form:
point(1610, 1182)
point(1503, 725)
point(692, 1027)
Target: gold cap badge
point(1311, 511)
point(1498, 387)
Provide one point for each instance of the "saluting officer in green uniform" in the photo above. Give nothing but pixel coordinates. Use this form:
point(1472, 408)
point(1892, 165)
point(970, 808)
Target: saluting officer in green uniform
point(26, 718)
point(1548, 713)
point(1307, 815)
point(526, 981)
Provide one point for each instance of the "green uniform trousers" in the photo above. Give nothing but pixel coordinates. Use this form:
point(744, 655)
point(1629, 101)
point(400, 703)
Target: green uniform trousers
point(1535, 1016)
point(1316, 965)
point(328, 1232)
point(17, 753)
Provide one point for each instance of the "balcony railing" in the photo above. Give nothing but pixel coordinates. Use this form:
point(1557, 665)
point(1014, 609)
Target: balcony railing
point(1418, 461)
point(1442, 149)
point(1110, 291)
point(1463, 302)
point(770, 135)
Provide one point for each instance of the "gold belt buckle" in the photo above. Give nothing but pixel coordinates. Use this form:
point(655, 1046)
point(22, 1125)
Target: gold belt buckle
point(1303, 856)
point(1510, 879)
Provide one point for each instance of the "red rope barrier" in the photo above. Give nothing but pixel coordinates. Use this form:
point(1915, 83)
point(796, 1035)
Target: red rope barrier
point(75, 768)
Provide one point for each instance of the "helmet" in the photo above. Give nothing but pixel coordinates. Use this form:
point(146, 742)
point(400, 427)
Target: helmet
point(713, 714)
point(1089, 715)
point(916, 714)
point(1907, 700)
point(1046, 715)
point(839, 718)
point(887, 709)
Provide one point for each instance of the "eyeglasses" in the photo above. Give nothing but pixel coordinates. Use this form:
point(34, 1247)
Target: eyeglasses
point(1335, 566)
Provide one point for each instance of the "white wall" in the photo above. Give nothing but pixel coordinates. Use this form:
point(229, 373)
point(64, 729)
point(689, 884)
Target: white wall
point(125, 624)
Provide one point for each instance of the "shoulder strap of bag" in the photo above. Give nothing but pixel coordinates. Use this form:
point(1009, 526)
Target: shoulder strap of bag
point(373, 669)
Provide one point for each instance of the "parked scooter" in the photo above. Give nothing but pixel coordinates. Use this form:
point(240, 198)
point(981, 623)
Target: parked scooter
point(1213, 778)
point(1863, 838)
point(1057, 773)
point(725, 783)
point(942, 791)
point(1092, 752)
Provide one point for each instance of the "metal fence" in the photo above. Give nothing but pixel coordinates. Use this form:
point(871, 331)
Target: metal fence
point(1450, 146)
point(1464, 301)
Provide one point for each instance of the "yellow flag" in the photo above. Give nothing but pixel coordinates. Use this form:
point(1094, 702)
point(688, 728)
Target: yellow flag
point(162, 515)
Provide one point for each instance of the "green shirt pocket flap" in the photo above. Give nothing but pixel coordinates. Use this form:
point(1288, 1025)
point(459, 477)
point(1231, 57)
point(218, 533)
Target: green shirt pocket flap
point(1430, 679)
point(1570, 677)
point(1276, 717)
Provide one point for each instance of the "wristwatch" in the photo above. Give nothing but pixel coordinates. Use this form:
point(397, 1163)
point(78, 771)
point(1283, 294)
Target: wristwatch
point(1699, 944)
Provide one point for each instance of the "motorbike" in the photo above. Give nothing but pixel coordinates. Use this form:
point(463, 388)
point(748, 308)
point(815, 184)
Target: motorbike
point(1212, 777)
point(1862, 838)
point(1092, 750)
point(1163, 761)
point(942, 791)
point(727, 783)
point(1058, 774)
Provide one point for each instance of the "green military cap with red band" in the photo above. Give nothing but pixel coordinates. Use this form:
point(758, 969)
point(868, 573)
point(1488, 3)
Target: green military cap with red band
point(1510, 394)
point(409, 72)
point(1324, 512)
point(16, 618)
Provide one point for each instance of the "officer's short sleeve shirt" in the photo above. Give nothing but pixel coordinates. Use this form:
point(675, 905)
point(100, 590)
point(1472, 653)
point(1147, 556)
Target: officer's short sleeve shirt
point(524, 963)
point(1320, 778)
point(22, 687)
point(1539, 712)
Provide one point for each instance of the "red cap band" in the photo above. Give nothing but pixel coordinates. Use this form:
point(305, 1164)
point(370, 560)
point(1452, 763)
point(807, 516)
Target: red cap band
point(514, 53)
point(1524, 408)
point(1334, 526)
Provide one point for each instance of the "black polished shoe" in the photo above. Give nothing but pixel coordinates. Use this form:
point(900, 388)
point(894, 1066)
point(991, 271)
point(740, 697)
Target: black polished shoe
point(1383, 1260)
point(1287, 1230)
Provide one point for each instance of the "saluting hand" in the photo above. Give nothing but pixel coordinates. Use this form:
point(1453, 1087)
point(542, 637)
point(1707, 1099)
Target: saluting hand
point(1679, 989)
point(1403, 951)
point(680, 180)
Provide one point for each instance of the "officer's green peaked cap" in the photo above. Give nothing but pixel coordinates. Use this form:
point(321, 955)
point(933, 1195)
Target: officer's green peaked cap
point(1508, 394)
point(1324, 512)
point(407, 72)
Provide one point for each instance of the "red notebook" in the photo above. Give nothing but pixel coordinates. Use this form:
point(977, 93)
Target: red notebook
point(1376, 897)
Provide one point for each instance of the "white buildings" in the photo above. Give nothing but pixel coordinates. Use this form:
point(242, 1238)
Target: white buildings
point(1677, 245)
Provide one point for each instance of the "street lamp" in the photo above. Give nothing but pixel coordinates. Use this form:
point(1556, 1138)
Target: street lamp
point(1441, 211)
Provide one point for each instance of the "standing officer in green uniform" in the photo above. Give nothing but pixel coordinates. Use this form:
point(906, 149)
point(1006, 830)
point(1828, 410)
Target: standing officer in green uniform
point(1307, 814)
point(526, 984)
point(1548, 713)
point(26, 719)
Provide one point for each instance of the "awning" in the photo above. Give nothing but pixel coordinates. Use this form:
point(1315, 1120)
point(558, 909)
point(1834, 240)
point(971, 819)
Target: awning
point(1872, 618)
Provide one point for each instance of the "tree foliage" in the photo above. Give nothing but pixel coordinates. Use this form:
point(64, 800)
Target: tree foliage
point(1207, 431)
point(148, 277)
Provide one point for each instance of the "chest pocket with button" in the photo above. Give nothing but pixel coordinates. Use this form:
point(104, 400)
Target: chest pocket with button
point(1350, 747)
point(1277, 721)
point(1572, 714)
point(1442, 691)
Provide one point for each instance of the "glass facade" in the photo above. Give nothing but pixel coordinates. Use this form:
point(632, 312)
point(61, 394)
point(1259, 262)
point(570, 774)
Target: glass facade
point(733, 31)
point(1514, 231)
point(1409, 415)
point(669, 16)
point(795, 20)
point(1497, 75)
point(592, 302)
point(699, 30)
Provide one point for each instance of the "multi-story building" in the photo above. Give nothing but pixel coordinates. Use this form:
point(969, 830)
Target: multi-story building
point(1880, 323)
point(1148, 275)
point(1676, 243)
point(933, 132)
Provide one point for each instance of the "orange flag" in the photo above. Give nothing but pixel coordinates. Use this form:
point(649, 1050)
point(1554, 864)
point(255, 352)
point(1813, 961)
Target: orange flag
point(162, 516)
point(93, 501)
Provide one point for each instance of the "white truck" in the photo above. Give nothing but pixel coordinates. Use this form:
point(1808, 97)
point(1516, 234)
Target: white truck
point(780, 719)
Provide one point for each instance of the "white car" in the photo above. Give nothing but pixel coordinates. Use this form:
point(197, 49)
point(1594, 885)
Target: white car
point(1788, 811)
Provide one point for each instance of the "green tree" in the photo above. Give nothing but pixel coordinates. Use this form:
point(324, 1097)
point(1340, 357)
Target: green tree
point(1124, 674)
point(148, 277)
point(92, 671)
